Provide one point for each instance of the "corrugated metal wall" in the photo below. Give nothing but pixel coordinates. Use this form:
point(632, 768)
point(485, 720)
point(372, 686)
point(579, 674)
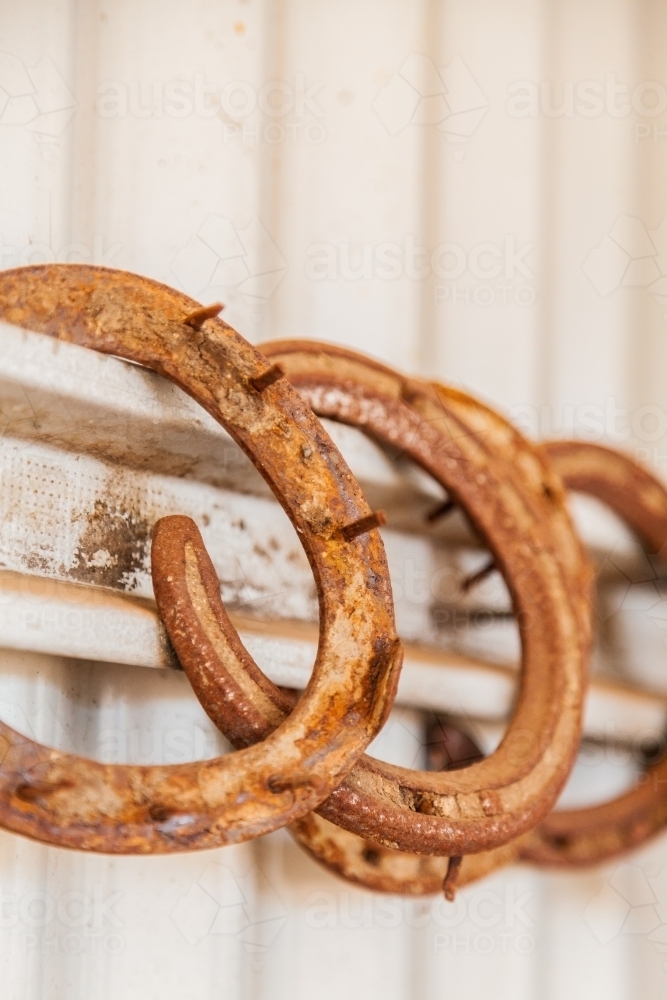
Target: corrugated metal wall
point(471, 190)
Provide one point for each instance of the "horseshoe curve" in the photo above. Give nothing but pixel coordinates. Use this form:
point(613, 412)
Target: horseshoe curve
point(491, 802)
point(582, 837)
point(73, 802)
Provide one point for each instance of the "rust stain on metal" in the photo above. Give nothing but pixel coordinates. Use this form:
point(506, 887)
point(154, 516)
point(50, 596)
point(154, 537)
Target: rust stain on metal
point(364, 524)
point(579, 837)
point(70, 801)
point(566, 839)
point(267, 378)
point(450, 881)
point(397, 810)
point(198, 317)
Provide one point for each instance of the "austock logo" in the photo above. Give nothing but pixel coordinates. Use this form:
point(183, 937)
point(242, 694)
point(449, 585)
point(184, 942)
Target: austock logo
point(481, 921)
point(630, 256)
point(630, 903)
point(35, 97)
point(99, 251)
point(222, 903)
point(273, 112)
point(420, 93)
point(586, 98)
point(486, 274)
point(69, 923)
point(221, 260)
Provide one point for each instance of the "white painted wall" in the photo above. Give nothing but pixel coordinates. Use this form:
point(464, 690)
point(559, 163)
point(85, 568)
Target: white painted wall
point(542, 287)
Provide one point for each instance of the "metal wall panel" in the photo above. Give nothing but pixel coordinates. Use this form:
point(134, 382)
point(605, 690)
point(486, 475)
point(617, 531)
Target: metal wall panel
point(469, 190)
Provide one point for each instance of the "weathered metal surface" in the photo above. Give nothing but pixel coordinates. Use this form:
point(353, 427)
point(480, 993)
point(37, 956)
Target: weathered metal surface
point(494, 800)
point(387, 870)
point(247, 707)
point(473, 809)
point(566, 838)
point(74, 802)
point(570, 838)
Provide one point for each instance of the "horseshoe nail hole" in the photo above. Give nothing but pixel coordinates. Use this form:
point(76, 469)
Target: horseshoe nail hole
point(31, 791)
point(548, 492)
point(160, 814)
point(424, 805)
point(371, 856)
point(492, 804)
point(279, 783)
point(409, 393)
point(560, 841)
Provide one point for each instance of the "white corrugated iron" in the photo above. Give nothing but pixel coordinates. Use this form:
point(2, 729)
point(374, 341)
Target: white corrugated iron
point(469, 191)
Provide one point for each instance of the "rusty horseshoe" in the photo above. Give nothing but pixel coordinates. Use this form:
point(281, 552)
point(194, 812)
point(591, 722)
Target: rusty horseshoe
point(70, 801)
point(385, 870)
point(566, 838)
point(579, 837)
point(494, 800)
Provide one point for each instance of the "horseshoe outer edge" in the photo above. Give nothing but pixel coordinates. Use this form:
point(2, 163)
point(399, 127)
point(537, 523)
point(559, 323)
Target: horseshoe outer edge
point(493, 801)
point(74, 802)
